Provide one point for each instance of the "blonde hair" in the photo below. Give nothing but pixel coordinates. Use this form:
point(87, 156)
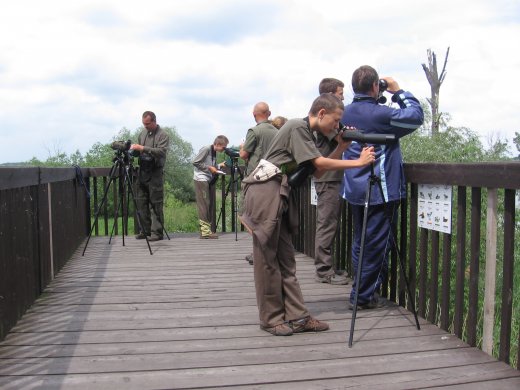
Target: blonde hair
point(279, 121)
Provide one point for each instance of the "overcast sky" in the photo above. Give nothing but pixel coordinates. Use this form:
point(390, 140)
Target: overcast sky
point(73, 73)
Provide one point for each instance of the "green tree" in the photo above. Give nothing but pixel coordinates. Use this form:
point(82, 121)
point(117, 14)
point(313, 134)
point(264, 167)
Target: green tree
point(99, 155)
point(450, 144)
point(516, 140)
point(179, 170)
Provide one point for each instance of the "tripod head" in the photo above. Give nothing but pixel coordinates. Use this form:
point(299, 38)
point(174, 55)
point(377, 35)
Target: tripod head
point(123, 158)
point(122, 153)
point(232, 163)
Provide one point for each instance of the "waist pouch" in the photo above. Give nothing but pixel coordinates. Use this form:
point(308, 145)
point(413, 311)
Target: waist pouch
point(300, 175)
point(146, 163)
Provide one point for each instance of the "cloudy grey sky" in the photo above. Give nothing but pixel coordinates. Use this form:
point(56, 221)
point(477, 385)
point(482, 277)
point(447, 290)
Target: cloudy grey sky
point(73, 73)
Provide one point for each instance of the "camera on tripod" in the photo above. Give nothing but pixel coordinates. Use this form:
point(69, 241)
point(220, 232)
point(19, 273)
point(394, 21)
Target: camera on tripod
point(232, 152)
point(123, 148)
point(363, 138)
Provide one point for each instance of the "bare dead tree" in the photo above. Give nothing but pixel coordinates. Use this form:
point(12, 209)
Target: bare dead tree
point(435, 81)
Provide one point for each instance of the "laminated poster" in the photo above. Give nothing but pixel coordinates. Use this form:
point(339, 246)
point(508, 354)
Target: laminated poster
point(434, 207)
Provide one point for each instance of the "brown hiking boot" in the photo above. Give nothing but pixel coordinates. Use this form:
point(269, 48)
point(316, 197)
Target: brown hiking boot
point(155, 237)
point(308, 324)
point(140, 236)
point(278, 330)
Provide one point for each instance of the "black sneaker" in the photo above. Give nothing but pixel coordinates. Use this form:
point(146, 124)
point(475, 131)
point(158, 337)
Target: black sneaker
point(375, 303)
point(249, 259)
point(140, 236)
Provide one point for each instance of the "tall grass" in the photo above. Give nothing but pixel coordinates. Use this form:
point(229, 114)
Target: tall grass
point(179, 217)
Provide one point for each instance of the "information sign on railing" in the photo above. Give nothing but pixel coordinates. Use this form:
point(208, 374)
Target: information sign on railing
point(434, 207)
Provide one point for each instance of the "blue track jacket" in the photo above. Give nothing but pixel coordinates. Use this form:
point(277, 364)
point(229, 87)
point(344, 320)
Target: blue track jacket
point(368, 116)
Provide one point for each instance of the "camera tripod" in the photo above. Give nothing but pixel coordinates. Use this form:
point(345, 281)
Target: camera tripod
point(233, 184)
point(121, 169)
point(375, 180)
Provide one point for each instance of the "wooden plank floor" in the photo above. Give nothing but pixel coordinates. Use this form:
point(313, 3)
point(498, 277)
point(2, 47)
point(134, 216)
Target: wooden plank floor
point(186, 317)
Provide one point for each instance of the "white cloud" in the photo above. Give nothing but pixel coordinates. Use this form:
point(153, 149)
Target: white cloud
point(74, 73)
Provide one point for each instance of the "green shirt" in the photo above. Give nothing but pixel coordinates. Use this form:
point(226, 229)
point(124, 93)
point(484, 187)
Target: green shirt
point(293, 144)
point(258, 140)
point(156, 144)
point(326, 146)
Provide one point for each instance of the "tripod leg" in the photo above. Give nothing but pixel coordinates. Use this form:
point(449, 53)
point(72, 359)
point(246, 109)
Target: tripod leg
point(138, 213)
point(235, 180)
point(403, 273)
point(103, 200)
point(401, 262)
point(159, 219)
point(360, 263)
point(116, 215)
point(223, 206)
point(235, 207)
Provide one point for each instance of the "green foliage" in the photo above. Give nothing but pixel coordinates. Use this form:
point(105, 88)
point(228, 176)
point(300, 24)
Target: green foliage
point(180, 217)
point(178, 169)
point(516, 141)
point(453, 145)
point(99, 155)
point(59, 159)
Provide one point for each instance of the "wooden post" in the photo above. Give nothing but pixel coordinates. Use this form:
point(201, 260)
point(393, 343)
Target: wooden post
point(49, 203)
point(491, 263)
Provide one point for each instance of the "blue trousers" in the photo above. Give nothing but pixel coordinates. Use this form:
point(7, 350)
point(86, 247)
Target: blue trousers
point(378, 242)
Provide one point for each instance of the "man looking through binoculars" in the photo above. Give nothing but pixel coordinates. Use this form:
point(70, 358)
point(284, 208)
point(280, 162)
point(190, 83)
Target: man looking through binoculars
point(366, 114)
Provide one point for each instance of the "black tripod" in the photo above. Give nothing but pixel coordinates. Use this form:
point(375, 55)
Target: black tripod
point(122, 190)
point(121, 169)
point(233, 184)
point(373, 179)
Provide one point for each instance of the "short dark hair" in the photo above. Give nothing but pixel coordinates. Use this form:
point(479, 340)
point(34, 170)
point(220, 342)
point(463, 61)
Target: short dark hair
point(364, 78)
point(326, 101)
point(150, 114)
point(330, 85)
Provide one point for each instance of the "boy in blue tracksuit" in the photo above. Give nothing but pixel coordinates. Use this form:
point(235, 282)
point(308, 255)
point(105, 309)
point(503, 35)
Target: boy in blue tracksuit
point(370, 117)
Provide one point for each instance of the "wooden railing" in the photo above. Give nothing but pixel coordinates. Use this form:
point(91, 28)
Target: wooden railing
point(43, 218)
point(45, 214)
point(453, 275)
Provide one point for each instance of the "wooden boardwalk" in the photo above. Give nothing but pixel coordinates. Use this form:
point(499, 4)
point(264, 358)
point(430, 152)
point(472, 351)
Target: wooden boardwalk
point(186, 317)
